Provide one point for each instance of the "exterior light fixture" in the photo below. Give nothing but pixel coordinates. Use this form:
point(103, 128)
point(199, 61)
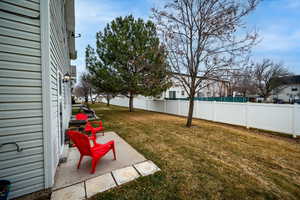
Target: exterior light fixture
point(75, 35)
point(66, 78)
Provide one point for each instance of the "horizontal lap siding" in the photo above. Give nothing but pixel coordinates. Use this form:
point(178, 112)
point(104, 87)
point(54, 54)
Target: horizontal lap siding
point(21, 96)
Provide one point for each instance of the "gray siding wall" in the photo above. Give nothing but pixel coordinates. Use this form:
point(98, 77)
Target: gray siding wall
point(60, 65)
point(21, 96)
point(21, 106)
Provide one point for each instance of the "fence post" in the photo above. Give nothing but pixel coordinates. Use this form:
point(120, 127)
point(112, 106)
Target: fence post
point(246, 115)
point(165, 106)
point(294, 120)
point(214, 111)
point(195, 109)
point(178, 107)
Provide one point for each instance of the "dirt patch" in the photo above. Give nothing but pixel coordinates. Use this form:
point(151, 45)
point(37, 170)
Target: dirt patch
point(40, 195)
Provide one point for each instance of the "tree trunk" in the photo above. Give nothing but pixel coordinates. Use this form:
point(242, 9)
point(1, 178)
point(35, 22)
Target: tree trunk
point(107, 100)
point(190, 114)
point(244, 94)
point(86, 99)
point(130, 102)
point(91, 96)
point(265, 98)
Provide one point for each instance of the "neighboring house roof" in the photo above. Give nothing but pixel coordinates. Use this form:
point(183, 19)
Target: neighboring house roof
point(288, 80)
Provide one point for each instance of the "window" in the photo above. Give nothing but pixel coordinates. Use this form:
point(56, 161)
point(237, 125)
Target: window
point(182, 93)
point(294, 89)
point(172, 94)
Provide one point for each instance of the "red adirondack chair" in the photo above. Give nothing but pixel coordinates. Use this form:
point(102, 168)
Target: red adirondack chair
point(89, 127)
point(96, 152)
point(81, 116)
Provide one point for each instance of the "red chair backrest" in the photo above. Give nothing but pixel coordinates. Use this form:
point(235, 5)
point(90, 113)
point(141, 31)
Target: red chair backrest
point(100, 123)
point(81, 116)
point(89, 127)
point(81, 141)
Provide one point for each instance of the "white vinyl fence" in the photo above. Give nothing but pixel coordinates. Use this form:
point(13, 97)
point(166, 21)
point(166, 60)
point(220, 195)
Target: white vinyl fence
point(273, 117)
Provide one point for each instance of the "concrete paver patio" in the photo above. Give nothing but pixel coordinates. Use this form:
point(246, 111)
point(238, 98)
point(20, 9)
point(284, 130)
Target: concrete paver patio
point(125, 175)
point(146, 168)
point(73, 192)
point(90, 187)
point(99, 184)
point(68, 174)
point(72, 183)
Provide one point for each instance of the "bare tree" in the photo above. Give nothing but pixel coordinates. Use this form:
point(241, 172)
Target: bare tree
point(242, 81)
point(79, 91)
point(222, 88)
point(266, 76)
point(84, 89)
point(201, 38)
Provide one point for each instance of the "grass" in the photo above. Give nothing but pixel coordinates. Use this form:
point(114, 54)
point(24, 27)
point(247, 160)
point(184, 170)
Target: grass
point(208, 161)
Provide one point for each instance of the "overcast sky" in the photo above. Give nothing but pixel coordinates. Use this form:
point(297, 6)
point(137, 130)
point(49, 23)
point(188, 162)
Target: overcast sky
point(277, 22)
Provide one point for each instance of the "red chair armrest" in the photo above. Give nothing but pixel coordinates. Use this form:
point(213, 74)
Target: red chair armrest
point(106, 145)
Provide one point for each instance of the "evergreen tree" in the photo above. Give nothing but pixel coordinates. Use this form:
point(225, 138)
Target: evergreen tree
point(103, 78)
point(131, 51)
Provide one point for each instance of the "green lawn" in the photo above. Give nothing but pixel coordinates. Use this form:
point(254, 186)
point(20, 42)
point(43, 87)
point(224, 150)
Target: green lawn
point(208, 161)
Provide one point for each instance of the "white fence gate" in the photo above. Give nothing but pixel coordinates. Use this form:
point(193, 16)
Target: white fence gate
point(273, 117)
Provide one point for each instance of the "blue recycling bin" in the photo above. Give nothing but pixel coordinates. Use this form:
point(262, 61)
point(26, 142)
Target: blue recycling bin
point(4, 189)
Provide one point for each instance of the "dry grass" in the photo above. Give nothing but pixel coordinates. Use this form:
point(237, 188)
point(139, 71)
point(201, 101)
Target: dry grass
point(208, 161)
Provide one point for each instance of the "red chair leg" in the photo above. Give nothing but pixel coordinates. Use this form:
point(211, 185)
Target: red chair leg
point(94, 164)
point(114, 150)
point(81, 156)
point(94, 134)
